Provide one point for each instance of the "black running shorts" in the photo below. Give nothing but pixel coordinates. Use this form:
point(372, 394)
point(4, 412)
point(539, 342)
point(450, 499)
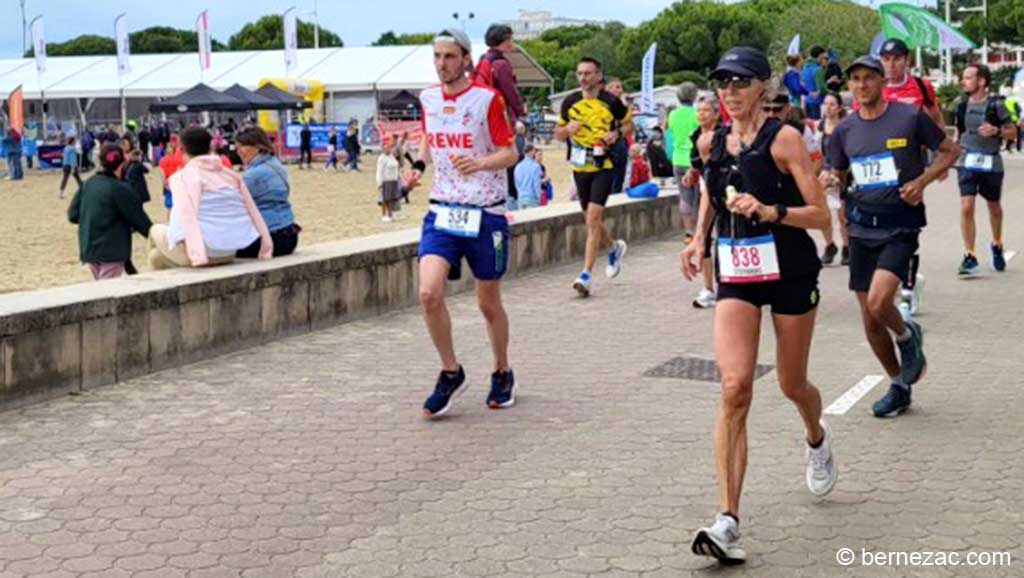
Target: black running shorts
point(594, 187)
point(988, 185)
point(786, 296)
point(868, 255)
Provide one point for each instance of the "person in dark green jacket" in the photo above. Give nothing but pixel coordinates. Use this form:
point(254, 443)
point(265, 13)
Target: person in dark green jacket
point(106, 211)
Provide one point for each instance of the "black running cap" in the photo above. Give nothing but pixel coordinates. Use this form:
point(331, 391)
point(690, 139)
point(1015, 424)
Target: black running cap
point(869, 62)
point(743, 61)
point(894, 46)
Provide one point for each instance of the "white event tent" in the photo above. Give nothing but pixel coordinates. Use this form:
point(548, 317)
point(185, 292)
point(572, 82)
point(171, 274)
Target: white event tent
point(355, 79)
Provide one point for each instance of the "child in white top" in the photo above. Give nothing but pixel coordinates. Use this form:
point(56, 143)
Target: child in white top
point(388, 174)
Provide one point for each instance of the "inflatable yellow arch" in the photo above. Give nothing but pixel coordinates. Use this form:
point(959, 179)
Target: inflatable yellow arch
point(308, 89)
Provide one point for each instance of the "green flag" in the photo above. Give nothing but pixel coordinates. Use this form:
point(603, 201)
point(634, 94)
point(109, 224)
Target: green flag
point(920, 28)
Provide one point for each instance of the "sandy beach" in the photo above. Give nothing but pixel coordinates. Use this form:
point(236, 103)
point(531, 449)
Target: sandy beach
point(39, 247)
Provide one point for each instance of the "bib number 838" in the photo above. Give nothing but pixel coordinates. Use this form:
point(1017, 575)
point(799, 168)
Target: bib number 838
point(746, 257)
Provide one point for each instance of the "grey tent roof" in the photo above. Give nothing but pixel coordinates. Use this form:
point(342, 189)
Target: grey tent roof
point(288, 99)
point(199, 98)
point(256, 100)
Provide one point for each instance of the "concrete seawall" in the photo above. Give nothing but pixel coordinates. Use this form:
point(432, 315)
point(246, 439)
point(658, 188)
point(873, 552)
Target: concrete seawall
point(67, 339)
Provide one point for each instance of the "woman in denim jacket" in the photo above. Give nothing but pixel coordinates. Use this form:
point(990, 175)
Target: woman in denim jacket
point(267, 180)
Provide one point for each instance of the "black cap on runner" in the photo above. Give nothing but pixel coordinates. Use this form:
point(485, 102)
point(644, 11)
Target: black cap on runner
point(869, 62)
point(894, 46)
point(743, 61)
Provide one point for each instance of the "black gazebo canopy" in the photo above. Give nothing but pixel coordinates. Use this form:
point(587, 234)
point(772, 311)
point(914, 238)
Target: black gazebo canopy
point(255, 100)
point(289, 100)
point(201, 98)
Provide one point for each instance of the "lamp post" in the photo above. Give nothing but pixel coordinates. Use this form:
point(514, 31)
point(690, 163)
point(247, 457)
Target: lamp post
point(462, 21)
point(984, 12)
point(316, 23)
point(24, 41)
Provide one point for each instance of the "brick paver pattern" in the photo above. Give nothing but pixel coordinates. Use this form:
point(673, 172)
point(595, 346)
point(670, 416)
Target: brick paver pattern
point(308, 457)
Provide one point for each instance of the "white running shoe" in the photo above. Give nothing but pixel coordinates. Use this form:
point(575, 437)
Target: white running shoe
point(615, 256)
point(582, 284)
point(705, 299)
point(821, 465)
point(721, 541)
point(386, 219)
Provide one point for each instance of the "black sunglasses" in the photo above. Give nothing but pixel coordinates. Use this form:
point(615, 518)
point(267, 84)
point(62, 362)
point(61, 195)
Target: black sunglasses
point(737, 82)
point(774, 108)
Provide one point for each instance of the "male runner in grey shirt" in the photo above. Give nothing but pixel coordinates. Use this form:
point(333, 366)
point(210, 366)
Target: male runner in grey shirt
point(983, 123)
point(880, 147)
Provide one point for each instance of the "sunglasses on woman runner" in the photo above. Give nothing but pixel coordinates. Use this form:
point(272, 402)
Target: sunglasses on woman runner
point(737, 82)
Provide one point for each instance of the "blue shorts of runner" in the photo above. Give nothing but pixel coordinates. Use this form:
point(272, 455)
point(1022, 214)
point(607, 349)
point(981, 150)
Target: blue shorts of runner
point(487, 253)
point(988, 185)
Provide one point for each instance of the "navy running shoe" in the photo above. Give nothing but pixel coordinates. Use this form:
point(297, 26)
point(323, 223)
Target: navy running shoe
point(503, 390)
point(969, 266)
point(449, 386)
point(895, 402)
point(913, 364)
point(998, 259)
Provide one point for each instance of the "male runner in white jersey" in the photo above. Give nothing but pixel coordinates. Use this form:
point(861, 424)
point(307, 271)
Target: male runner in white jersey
point(467, 134)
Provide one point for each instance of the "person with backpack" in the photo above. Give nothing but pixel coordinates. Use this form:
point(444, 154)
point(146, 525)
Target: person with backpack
point(495, 71)
point(982, 124)
point(903, 86)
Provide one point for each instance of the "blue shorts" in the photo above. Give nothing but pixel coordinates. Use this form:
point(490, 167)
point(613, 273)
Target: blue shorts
point(168, 202)
point(487, 254)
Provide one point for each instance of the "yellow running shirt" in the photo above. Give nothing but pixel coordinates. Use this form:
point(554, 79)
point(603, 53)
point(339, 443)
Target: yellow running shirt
point(598, 116)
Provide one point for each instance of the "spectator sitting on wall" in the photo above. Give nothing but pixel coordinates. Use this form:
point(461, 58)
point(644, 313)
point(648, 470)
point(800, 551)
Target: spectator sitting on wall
point(269, 185)
point(529, 179)
point(213, 215)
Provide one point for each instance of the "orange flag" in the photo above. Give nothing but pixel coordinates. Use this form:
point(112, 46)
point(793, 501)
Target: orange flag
point(16, 111)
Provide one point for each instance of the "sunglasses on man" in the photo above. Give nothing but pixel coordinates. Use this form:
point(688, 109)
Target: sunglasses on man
point(774, 108)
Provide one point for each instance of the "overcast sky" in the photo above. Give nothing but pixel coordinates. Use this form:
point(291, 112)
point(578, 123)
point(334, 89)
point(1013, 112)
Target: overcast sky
point(358, 22)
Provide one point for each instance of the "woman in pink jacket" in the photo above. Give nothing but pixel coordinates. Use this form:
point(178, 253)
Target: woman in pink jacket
point(213, 214)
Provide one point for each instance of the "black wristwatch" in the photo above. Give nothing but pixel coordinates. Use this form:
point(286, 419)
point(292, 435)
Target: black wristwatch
point(780, 211)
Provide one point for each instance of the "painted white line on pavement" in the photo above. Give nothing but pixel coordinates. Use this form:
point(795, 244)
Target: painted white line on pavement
point(853, 395)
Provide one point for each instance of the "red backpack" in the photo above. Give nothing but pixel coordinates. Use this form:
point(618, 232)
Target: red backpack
point(484, 72)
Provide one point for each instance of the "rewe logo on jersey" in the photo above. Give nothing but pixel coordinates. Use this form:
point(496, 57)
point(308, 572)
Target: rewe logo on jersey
point(450, 140)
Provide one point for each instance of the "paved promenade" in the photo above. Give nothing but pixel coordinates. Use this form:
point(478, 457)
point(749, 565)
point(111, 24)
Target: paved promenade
point(308, 457)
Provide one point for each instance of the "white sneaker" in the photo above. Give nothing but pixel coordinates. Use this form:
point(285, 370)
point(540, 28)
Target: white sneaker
point(720, 541)
point(615, 256)
point(386, 219)
point(821, 465)
point(582, 284)
point(705, 299)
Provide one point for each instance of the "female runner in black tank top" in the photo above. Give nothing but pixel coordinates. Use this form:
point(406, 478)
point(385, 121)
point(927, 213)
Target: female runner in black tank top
point(779, 198)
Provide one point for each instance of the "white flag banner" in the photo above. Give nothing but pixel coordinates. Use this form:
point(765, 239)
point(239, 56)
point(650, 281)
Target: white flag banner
point(205, 42)
point(794, 46)
point(647, 80)
point(39, 43)
point(291, 40)
point(123, 45)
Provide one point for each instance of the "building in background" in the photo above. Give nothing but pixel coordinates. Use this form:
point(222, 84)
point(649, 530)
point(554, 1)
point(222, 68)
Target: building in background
point(533, 23)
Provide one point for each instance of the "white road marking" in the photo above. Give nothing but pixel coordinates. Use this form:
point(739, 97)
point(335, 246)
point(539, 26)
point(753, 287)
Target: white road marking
point(843, 404)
